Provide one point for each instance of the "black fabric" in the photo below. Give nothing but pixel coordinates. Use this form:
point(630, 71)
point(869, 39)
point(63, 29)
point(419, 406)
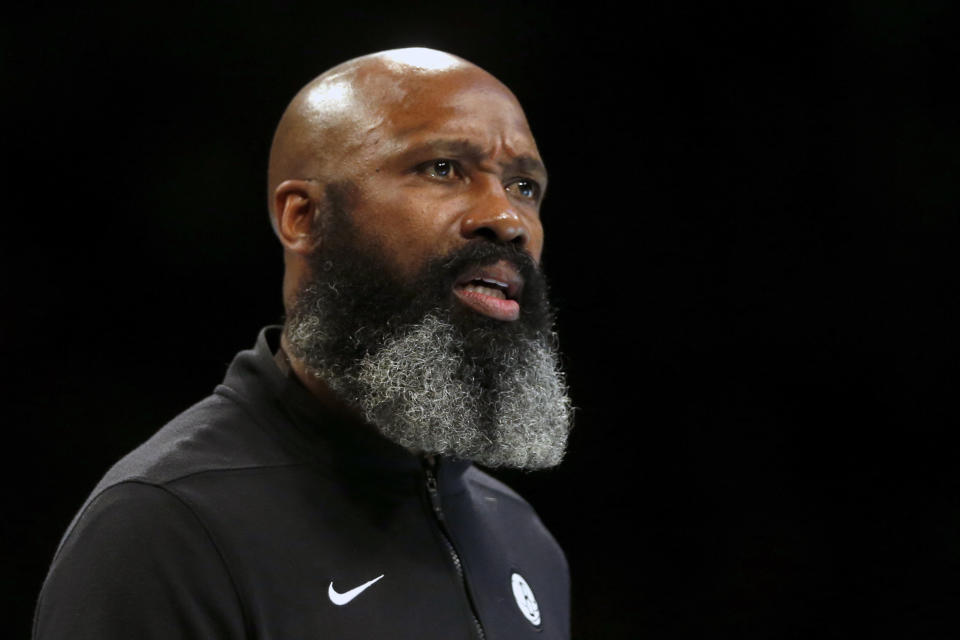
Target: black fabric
point(233, 520)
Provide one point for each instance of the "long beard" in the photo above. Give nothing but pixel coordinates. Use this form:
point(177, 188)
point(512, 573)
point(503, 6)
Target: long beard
point(428, 373)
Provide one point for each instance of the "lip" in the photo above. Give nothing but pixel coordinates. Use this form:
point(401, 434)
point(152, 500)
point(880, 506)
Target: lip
point(501, 275)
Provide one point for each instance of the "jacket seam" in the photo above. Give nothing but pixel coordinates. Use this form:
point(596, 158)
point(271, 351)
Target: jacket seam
point(247, 623)
point(192, 474)
point(143, 482)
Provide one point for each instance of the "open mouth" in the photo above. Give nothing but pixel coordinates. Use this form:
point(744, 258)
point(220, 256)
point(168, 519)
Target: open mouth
point(492, 290)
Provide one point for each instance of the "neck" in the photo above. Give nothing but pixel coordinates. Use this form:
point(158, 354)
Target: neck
point(317, 387)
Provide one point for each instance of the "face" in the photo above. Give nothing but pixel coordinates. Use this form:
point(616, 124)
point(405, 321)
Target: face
point(422, 306)
point(450, 161)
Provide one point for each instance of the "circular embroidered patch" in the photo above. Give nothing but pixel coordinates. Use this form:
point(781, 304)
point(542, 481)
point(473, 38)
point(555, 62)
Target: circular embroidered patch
point(525, 600)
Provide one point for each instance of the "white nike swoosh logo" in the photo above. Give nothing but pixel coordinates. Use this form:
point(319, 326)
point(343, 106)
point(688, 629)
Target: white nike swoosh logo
point(341, 599)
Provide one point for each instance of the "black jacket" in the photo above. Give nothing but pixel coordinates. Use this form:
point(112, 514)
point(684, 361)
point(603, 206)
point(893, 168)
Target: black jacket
point(249, 514)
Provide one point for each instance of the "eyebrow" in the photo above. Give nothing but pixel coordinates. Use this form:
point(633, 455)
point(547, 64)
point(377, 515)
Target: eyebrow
point(459, 148)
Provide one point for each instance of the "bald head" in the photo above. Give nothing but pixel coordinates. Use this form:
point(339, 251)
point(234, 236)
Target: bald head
point(339, 112)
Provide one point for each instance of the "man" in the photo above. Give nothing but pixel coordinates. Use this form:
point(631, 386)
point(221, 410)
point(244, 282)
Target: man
point(325, 489)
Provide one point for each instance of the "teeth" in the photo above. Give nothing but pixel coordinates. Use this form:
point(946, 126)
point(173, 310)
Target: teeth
point(487, 291)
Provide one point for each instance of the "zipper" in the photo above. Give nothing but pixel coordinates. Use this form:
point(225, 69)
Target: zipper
point(429, 470)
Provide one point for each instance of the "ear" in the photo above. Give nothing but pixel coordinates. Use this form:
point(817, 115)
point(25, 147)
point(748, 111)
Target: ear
point(295, 215)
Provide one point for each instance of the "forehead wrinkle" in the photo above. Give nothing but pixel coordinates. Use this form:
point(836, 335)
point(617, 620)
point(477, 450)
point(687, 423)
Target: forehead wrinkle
point(527, 164)
point(456, 147)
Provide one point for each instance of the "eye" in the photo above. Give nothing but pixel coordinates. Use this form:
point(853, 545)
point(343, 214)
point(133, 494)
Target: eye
point(525, 188)
point(440, 168)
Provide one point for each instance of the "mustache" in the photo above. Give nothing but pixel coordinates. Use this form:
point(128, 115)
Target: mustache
point(484, 253)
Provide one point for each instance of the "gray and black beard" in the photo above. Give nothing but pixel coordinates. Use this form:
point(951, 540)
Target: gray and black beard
point(430, 374)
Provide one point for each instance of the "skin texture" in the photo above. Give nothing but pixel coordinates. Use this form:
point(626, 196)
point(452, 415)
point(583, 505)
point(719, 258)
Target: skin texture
point(429, 151)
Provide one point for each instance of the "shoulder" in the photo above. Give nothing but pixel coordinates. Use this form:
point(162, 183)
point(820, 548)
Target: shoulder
point(217, 433)
point(123, 568)
point(131, 513)
point(514, 516)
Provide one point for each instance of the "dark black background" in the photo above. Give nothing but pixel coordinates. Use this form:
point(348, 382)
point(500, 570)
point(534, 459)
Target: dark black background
point(752, 235)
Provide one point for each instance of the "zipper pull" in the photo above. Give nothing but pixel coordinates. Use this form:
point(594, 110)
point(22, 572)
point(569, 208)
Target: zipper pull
point(432, 490)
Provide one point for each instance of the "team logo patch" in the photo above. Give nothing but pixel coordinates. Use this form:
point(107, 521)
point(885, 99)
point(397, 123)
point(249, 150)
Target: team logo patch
point(525, 599)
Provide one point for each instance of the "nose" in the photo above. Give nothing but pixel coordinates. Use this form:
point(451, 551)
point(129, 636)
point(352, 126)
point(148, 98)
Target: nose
point(496, 219)
point(504, 226)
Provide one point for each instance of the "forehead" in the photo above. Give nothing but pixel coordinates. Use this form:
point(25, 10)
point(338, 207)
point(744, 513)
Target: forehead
point(468, 104)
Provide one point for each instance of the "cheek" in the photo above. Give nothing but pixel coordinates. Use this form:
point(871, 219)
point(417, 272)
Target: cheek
point(535, 245)
point(407, 231)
